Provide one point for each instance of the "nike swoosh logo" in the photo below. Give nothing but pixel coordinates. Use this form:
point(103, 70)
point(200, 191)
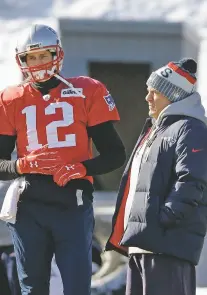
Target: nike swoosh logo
point(196, 151)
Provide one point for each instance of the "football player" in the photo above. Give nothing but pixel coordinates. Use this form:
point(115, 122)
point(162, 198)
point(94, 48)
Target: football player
point(53, 121)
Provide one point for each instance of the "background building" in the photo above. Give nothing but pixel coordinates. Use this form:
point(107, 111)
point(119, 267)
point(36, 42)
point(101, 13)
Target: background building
point(119, 42)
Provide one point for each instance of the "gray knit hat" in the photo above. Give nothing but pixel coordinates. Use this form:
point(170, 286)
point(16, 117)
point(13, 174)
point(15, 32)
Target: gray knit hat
point(176, 80)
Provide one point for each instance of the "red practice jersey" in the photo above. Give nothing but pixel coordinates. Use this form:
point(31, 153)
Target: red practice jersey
point(60, 122)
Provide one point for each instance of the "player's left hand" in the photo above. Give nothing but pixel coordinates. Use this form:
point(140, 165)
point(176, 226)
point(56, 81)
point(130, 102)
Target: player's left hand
point(67, 172)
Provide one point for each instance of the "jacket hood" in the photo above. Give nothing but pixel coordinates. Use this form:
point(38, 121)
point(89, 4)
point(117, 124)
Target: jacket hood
point(191, 106)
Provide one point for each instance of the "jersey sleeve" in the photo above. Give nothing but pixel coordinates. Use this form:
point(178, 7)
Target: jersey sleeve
point(101, 106)
point(6, 111)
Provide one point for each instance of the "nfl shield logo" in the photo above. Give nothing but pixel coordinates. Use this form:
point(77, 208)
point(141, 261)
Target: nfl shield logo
point(110, 102)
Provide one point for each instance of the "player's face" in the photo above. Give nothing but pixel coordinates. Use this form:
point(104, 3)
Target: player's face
point(156, 102)
point(38, 58)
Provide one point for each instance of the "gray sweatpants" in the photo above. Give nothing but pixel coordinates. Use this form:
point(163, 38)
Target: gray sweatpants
point(152, 274)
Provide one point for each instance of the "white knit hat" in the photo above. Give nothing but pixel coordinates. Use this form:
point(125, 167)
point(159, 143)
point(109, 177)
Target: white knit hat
point(176, 80)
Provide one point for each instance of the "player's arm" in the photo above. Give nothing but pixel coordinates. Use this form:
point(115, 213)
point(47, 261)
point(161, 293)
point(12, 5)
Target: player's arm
point(111, 155)
point(7, 166)
point(102, 112)
point(7, 136)
point(111, 150)
point(39, 161)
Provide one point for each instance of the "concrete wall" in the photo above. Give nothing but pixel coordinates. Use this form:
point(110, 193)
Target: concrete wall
point(95, 40)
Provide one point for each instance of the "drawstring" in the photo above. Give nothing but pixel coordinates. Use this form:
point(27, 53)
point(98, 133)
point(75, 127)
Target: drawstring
point(47, 96)
point(68, 84)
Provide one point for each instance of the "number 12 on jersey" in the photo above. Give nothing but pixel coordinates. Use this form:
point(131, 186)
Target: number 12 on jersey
point(51, 129)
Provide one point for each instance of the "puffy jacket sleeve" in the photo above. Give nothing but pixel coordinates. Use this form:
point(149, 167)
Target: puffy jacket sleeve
point(190, 172)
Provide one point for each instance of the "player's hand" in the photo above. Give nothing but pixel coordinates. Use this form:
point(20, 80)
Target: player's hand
point(41, 161)
point(68, 172)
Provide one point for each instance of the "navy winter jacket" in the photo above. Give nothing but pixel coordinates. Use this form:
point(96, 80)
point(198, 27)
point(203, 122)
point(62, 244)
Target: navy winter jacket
point(169, 210)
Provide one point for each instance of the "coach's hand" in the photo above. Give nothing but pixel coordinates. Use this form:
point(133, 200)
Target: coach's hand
point(68, 172)
point(41, 161)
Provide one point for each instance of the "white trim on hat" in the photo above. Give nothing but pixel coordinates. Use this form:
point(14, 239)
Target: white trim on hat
point(175, 78)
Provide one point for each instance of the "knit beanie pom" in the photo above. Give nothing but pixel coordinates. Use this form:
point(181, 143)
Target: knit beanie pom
point(189, 65)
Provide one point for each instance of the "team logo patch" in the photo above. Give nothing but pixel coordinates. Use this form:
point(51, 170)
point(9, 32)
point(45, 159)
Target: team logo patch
point(76, 92)
point(110, 102)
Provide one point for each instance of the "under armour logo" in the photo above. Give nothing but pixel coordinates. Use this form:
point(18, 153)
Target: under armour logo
point(70, 167)
point(35, 164)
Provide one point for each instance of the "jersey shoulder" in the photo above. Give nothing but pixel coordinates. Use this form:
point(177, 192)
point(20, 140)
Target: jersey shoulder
point(12, 93)
point(85, 81)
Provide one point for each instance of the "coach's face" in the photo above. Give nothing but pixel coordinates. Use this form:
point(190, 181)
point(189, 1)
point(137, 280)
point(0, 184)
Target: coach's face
point(156, 102)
